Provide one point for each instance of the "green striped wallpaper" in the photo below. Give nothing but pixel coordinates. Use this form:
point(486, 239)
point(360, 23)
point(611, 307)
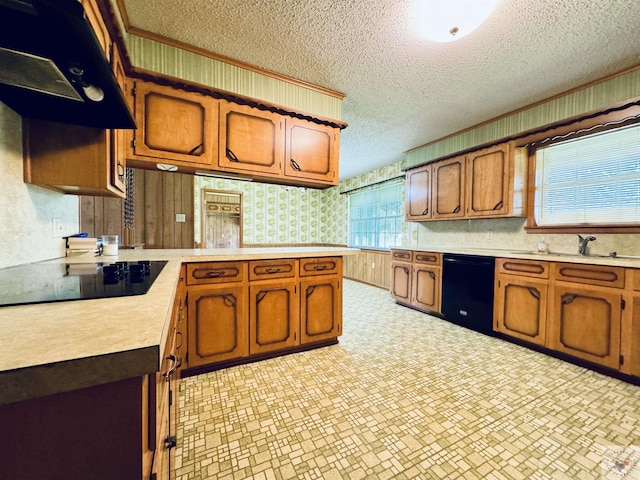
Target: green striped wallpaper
point(169, 60)
point(599, 96)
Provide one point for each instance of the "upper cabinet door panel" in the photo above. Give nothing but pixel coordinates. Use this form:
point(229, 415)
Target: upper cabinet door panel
point(251, 140)
point(174, 124)
point(488, 182)
point(418, 194)
point(311, 151)
point(448, 181)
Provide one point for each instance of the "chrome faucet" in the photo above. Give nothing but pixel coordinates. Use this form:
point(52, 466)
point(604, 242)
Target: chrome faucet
point(583, 242)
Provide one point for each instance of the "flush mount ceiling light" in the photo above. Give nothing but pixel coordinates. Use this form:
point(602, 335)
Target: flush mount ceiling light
point(449, 20)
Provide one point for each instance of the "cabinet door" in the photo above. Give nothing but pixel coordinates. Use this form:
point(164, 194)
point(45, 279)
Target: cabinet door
point(311, 151)
point(93, 15)
point(586, 323)
point(320, 308)
point(217, 322)
point(488, 182)
point(418, 194)
point(401, 281)
point(174, 125)
point(426, 287)
point(521, 308)
point(448, 188)
point(251, 140)
point(273, 316)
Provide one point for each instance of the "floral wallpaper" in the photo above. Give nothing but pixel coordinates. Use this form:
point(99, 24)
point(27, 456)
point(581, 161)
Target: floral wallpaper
point(276, 214)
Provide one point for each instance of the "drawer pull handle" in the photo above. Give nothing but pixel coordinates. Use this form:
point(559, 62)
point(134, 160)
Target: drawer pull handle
point(214, 273)
point(121, 170)
point(320, 267)
point(567, 298)
point(534, 293)
point(272, 270)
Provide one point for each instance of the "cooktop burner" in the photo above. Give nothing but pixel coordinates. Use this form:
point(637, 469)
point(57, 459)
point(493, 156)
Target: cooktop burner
point(59, 282)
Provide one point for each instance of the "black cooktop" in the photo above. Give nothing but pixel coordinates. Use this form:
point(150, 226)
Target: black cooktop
point(51, 282)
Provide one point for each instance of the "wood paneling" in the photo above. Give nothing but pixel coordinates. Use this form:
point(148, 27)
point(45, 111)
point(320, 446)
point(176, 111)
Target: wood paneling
point(158, 197)
point(369, 266)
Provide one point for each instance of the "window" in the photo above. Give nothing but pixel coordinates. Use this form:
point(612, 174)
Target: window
point(591, 180)
point(375, 217)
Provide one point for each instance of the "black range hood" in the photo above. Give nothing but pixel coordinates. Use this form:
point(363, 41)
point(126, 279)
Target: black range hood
point(52, 66)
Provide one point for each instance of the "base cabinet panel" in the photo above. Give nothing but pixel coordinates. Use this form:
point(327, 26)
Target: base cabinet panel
point(521, 308)
point(273, 318)
point(586, 324)
point(218, 323)
point(427, 287)
point(401, 281)
point(321, 309)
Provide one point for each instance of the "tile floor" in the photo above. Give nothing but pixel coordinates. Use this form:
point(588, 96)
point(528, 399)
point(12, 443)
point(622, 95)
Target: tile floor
point(406, 395)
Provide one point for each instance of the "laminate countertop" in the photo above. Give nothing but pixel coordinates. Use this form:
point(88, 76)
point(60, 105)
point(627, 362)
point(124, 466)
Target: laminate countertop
point(56, 347)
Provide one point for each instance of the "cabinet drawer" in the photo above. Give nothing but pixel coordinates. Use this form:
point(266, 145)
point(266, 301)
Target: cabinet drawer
point(402, 255)
point(215, 272)
point(590, 274)
point(525, 268)
point(427, 258)
point(266, 269)
point(320, 266)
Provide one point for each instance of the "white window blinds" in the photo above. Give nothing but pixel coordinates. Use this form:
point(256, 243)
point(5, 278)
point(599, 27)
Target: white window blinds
point(590, 180)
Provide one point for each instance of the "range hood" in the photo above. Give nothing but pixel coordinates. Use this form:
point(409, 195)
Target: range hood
point(52, 66)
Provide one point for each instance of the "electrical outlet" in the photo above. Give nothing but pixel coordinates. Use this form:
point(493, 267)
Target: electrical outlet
point(57, 227)
point(181, 217)
point(373, 265)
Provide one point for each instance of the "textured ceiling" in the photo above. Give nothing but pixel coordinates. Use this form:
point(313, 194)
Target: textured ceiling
point(403, 91)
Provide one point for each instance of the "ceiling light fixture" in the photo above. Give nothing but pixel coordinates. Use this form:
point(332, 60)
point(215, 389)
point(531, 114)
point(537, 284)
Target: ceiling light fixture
point(449, 20)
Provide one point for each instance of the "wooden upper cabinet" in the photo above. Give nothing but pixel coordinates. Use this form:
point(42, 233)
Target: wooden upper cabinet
point(448, 188)
point(173, 125)
point(418, 194)
point(311, 151)
point(92, 12)
point(488, 182)
point(118, 137)
point(251, 140)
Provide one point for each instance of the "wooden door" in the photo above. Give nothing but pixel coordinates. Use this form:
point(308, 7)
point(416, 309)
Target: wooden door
point(401, 275)
point(585, 323)
point(174, 125)
point(418, 194)
point(426, 289)
point(488, 182)
point(448, 188)
point(320, 308)
point(217, 323)
point(251, 140)
point(311, 151)
point(521, 308)
point(273, 315)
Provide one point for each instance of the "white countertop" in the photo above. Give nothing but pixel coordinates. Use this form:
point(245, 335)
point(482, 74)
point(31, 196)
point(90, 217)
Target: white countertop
point(55, 347)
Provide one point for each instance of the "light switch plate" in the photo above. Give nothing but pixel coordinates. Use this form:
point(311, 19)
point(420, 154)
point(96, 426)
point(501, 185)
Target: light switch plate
point(181, 217)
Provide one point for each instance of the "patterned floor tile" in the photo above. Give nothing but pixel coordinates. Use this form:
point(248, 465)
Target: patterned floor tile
point(404, 395)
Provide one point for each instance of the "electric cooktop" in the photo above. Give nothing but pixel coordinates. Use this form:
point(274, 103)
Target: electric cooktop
point(59, 282)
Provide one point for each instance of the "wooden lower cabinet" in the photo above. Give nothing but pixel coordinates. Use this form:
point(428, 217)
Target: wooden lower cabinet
point(217, 322)
point(273, 316)
point(417, 282)
point(244, 309)
point(320, 308)
point(520, 308)
point(585, 323)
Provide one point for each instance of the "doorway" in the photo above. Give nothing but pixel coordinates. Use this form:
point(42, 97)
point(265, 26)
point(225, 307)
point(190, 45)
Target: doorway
point(221, 219)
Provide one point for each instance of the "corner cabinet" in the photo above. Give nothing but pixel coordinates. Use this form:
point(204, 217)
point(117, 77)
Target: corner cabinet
point(417, 279)
point(174, 126)
point(241, 311)
point(487, 183)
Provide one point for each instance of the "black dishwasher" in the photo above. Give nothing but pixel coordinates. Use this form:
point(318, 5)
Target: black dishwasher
point(467, 290)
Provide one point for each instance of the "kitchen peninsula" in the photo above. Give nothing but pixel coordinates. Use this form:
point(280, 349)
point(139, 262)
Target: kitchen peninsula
point(96, 361)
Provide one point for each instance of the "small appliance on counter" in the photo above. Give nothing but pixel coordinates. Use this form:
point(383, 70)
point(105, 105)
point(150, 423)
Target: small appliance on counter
point(59, 282)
